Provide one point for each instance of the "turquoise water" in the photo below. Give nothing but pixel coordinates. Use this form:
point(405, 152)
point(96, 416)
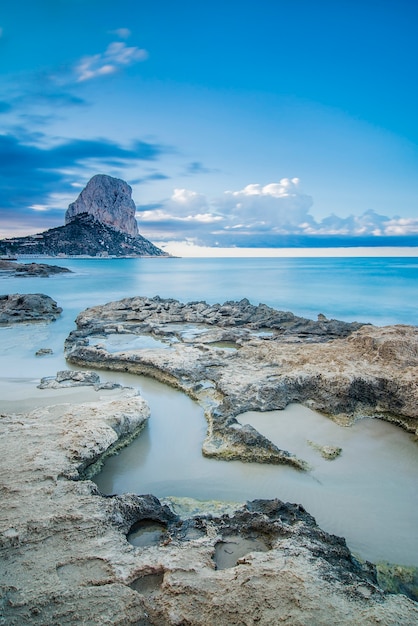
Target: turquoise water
point(378, 516)
point(377, 290)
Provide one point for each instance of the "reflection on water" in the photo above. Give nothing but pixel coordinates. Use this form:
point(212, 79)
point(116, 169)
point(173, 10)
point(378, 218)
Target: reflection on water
point(127, 342)
point(378, 290)
point(367, 495)
point(228, 552)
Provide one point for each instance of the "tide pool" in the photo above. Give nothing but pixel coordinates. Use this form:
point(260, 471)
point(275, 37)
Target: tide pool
point(367, 495)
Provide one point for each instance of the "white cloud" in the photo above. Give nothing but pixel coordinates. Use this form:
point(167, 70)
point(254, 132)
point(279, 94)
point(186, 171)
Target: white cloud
point(184, 203)
point(122, 33)
point(187, 200)
point(369, 223)
point(116, 56)
point(258, 215)
point(402, 226)
point(276, 205)
point(160, 215)
point(39, 207)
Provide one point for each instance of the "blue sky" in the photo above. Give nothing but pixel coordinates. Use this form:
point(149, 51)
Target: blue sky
point(250, 123)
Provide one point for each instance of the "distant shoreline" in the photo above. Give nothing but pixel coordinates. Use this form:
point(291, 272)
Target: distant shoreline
point(84, 256)
point(206, 252)
point(190, 251)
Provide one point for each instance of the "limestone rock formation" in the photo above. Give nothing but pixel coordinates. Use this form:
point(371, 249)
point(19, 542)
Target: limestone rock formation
point(109, 201)
point(30, 269)
point(67, 558)
point(237, 357)
point(101, 222)
point(30, 307)
point(69, 378)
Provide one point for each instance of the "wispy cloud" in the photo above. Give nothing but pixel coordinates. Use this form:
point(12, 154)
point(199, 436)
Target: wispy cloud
point(116, 56)
point(149, 177)
point(49, 172)
point(369, 223)
point(196, 167)
point(122, 33)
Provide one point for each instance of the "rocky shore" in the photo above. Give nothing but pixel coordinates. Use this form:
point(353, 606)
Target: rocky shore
point(238, 357)
point(68, 556)
point(30, 269)
point(31, 307)
point(71, 555)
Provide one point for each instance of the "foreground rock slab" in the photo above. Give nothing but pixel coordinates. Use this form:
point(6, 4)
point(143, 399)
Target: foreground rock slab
point(66, 557)
point(238, 357)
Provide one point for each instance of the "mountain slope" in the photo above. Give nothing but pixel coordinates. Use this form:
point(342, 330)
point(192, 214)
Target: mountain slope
point(84, 235)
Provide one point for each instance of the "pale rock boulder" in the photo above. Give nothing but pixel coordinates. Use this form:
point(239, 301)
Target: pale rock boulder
point(109, 201)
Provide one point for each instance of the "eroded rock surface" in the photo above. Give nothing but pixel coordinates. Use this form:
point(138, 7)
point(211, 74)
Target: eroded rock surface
point(30, 307)
point(109, 201)
point(69, 378)
point(65, 557)
point(237, 357)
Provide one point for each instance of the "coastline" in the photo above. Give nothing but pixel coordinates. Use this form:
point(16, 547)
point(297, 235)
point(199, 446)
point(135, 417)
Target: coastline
point(100, 570)
point(191, 251)
point(69, 559)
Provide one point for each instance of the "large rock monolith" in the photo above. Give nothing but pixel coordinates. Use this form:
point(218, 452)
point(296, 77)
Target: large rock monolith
point(109, 201)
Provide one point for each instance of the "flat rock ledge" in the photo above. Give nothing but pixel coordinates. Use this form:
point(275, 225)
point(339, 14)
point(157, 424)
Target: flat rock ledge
point(18, 308)
point(69, 378)
point(30, 269)
point(66, 555)
point(238, 357)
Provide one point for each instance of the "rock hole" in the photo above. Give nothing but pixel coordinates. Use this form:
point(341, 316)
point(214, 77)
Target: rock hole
point(148, 583)
point(228, 551)
point(224, 345)
point(146, 533)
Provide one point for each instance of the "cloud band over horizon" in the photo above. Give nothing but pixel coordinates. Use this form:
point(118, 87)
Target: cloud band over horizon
point(259, 215)
point(256, 215)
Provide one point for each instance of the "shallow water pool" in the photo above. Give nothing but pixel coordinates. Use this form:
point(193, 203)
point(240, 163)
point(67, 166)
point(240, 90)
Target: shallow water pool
point(368, 494)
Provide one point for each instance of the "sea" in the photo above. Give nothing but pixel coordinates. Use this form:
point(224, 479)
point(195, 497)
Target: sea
point(369, 494)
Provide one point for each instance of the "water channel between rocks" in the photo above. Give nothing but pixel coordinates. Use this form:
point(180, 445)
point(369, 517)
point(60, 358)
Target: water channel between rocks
point(368, 494)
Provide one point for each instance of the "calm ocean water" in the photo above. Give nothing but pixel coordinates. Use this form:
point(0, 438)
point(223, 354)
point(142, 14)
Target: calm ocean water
point(368, 495)
point(377, 290)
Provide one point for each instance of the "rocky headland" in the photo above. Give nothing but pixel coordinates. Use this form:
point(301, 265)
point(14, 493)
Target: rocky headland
point(238, 357)
point(70, 555)
point(101, 222)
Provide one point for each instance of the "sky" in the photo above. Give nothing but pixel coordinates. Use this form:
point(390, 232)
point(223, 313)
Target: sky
point(246, 124)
